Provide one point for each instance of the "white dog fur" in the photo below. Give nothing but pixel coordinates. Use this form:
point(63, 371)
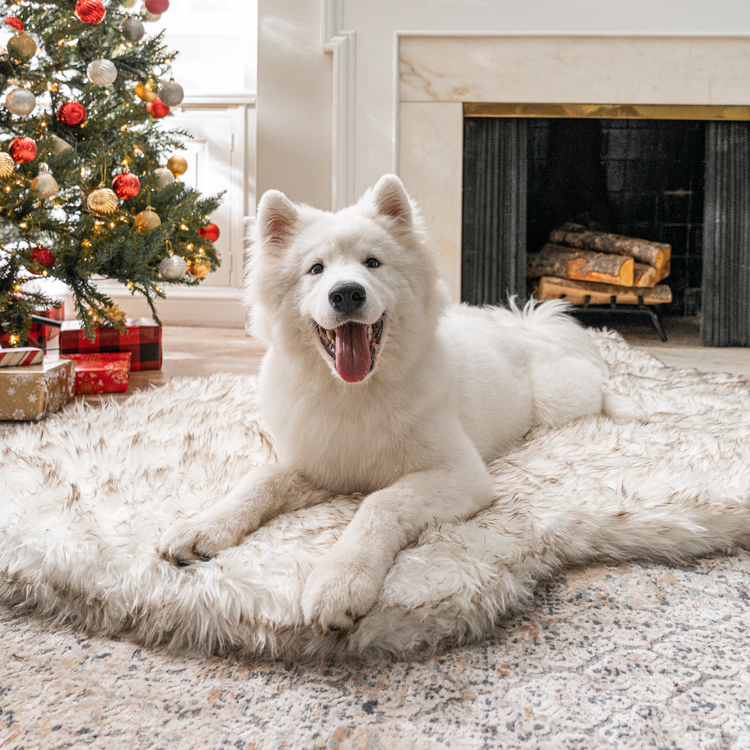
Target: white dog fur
point(445, 389)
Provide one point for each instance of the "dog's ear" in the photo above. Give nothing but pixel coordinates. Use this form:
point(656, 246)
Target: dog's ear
point(391, 200)
point(276, 220)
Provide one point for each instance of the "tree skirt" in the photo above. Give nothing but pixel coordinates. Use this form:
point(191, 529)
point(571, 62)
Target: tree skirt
point(86, 495)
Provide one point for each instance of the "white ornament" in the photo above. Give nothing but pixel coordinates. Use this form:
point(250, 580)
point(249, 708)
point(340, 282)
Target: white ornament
point(173, 268)
point(20, 102)
point(45, 185)
point(164, 177)
point(102, 72)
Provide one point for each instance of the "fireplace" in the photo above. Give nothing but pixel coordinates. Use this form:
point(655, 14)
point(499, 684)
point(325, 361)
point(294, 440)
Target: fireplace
point(676, 175)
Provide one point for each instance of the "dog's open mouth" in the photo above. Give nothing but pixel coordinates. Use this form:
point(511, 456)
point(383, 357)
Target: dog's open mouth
point(353, 347)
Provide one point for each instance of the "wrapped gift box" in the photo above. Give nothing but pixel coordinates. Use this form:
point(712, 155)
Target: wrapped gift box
point(32, 392)
point(39, 334)
point(21, 356)
point(142, 339)
point(101, 373)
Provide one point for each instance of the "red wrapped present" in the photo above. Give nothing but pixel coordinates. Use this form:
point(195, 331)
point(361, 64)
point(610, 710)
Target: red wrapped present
point(142, 339)
point(101, 373)
point(22, 356)
point(39, 334)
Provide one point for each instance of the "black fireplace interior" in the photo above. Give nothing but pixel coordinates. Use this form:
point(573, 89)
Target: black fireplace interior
point(682, 182)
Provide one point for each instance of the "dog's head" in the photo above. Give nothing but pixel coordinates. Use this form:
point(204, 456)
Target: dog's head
point(355, 288)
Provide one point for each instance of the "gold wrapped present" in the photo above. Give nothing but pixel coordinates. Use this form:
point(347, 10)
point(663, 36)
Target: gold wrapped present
point(34, 391)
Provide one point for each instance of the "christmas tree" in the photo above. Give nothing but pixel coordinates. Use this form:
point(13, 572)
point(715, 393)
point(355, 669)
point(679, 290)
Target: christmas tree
point(88, 184)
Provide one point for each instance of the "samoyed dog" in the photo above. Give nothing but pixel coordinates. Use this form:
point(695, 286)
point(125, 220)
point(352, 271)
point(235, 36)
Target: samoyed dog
point(373, 384)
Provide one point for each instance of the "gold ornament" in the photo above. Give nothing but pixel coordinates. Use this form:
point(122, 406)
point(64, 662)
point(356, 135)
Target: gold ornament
point(199, 267)
point(22, 47)
point(147, 220)
point(7, 166)
point(59, 145)
point(147, 91)
point(177, 165)
point(44, 185)
point(103, 201)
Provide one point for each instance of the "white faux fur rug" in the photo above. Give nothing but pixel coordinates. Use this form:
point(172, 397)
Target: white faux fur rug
point(86, 494)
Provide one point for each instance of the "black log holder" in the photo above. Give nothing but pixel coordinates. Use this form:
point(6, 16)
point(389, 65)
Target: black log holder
point(613, 307)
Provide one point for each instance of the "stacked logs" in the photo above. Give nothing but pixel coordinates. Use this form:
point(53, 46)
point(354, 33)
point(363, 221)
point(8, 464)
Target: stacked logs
point(579, 263)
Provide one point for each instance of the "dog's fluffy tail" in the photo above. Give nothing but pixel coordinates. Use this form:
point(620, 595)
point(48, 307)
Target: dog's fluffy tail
point(552, 320)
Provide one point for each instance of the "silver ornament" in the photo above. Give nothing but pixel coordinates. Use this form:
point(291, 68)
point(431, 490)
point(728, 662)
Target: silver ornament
point(102, 72)
point(173, 268)
point(44, 185)
point(133, 29)
point(164, 177)
point(171, 93)
point(20, 102)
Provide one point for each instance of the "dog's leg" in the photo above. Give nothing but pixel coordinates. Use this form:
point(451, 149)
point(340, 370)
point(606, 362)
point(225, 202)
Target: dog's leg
point(264, 493)
point(348, 580)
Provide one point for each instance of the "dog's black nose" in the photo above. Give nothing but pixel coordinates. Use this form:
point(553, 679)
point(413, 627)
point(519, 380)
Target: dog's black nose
point(347, 296)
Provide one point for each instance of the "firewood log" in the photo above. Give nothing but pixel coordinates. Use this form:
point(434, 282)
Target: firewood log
point(569, 263)
point(574, 235)
point(600, 294)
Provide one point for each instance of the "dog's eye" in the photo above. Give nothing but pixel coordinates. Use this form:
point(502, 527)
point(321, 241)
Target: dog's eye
point(316, 269)
point(372, 262)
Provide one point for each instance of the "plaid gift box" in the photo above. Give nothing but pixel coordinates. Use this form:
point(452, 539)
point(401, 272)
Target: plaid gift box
point(142, 339)
point(101, 373)
point(38, 334)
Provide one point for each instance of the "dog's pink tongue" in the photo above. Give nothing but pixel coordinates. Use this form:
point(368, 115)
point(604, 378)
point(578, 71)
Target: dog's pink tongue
point(352, 352)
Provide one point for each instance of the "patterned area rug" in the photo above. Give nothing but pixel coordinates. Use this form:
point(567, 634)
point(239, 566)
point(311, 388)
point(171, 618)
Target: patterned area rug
point(638, 655)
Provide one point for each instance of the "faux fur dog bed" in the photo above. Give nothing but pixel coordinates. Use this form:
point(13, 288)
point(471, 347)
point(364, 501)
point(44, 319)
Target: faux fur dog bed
point(86, 495)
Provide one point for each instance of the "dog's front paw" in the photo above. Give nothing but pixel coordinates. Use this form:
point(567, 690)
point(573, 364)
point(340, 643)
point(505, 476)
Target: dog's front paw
point(194, 539)
point(340, 591)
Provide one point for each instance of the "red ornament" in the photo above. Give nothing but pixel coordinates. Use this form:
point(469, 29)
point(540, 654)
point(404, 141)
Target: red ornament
point(126, 185)
point(14, 23)
point(22, 150)
point(210, 232)
point(43, 256)
point(157, 7)
point(158, 109)
point(90, 11)
point(71, 113)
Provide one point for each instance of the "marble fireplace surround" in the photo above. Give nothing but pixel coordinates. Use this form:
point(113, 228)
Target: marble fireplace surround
point(438, 73)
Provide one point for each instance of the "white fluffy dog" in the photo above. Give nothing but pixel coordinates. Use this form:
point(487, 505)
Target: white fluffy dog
point(372, 384)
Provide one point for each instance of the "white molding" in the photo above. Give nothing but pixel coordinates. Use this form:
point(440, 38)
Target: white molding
point(202, 293)
point(201, 99)
point(341, 42)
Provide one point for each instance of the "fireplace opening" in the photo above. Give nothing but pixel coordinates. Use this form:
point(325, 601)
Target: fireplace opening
point(680, 181)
